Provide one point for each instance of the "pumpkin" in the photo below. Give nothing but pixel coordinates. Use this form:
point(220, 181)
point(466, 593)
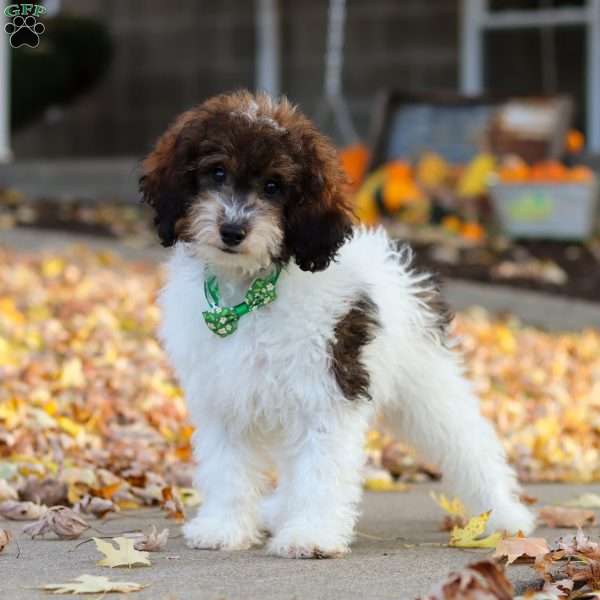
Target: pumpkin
point(354, 162)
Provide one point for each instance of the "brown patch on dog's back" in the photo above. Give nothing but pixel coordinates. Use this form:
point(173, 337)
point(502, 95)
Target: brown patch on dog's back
point(352, 332)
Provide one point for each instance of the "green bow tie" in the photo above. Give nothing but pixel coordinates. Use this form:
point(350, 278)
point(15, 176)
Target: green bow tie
point(223, 320)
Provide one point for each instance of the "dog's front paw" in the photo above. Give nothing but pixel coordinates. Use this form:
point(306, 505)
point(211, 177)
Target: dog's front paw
point(511, 517)
point(271, 509)
point(219, 534)
point(290, 544)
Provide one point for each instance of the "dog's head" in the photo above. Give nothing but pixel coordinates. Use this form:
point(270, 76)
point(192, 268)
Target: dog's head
point(248, 181)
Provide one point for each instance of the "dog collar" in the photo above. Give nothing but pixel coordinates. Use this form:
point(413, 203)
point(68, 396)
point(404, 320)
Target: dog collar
point(223, 320)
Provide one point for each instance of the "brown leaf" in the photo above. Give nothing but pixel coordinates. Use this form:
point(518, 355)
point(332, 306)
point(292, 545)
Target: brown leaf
point(98, 507)
point(588, 573)
point(153, 541)
point(517, 547)
point(393, 458)
point(172, 504)
point(4, 539)
point(63, 521)
point(451, 521)
point(559, 516)
point(49, 491)
point(527, 499)
point(21, 511)
point(484, 580)
point(560, 588)
point(578, 544)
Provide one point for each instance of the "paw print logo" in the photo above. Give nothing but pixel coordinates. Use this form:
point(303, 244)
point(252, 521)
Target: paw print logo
point(24, 31)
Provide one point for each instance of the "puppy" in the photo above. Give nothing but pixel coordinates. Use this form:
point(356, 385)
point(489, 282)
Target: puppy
point(289, 329)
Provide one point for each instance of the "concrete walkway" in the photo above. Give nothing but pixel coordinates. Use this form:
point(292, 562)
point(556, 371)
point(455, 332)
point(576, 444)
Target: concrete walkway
point(387, 561)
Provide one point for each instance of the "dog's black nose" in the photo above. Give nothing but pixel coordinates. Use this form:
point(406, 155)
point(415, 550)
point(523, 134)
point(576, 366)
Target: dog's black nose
point(231, 234)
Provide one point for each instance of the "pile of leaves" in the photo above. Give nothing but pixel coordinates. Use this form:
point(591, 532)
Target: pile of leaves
point(90, 412)
point(88, 405)
point(569, 569)
point(110, 217)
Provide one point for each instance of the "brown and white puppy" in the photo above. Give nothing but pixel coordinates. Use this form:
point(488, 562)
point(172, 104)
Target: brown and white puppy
point(246, 188)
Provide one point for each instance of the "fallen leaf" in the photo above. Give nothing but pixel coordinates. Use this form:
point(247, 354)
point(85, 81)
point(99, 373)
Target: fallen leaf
point(124, 555)
point(484, 580)
point(527, 499)
point(453, 507)
point(384, 485)
point(98, 507)
point(91, 584)
point(153, 541)
point(4, 539)
point(457, 513)
point(578, 544)
point(7, 492)
point(395, 458)
point(172, 504)
point(467, 536)
point(21, 511)
point(190, 497)
point(64, 522)
point(588, 500)
point(558, 516)
point(559, 588)
point(48, 491)
point(587, 572)
point(520, 547)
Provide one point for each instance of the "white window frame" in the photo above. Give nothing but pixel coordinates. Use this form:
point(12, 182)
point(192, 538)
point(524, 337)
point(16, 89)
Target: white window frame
point(5, 151)
point(477, 19)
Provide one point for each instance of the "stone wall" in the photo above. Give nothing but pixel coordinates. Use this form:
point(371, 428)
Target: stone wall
point(172, 54)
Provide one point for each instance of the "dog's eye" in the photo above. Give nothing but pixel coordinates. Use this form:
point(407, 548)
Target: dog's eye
point(271, 188)
point(219, 175)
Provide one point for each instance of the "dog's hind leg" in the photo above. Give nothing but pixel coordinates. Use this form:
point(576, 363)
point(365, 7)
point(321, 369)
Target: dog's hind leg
point(438, 414)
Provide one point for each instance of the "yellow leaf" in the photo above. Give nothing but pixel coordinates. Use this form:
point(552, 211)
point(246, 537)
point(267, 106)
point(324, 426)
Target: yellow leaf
point(80, 475)
point(128, 504)
point(124, 555)
point(453, 507)
point(71, 374)
point(76, 491)
point(53, 267)
point(588, 500)
point(9, 310)
point(69, 426)
point(506, 340)
point(189, 496)
point(90, 584)
point(51, 408)
point(384, 485)
point(374, 441)
point(467, 536)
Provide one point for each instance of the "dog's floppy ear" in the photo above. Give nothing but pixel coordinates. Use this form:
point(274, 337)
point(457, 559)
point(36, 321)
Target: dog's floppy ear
point(318, 218)
point(165, 184)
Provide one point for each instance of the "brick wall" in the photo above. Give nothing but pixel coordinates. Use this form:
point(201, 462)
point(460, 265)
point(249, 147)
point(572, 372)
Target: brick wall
point(171, 55)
